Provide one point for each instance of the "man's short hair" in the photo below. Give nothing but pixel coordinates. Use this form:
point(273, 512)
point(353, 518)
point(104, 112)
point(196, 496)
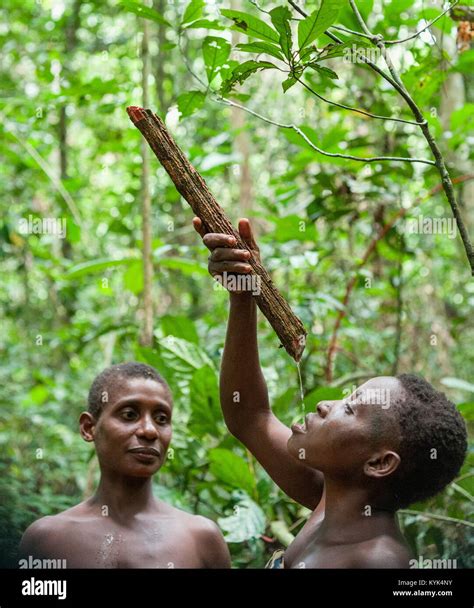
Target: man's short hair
point(107, 380)
point(433, 441)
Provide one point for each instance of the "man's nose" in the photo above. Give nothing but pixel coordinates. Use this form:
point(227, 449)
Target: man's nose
point(147, 429)
point(323, 408)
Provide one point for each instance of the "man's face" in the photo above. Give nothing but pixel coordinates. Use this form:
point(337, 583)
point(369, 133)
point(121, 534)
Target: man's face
point(342, 435)
point(133, 431)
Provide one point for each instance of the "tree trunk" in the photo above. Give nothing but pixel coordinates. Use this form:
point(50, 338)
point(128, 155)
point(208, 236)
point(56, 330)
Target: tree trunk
point(147, 333)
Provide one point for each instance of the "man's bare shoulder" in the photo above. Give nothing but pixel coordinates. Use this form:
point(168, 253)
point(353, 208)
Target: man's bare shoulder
point(206, 535)
point(192, 522)
point(50, 527)
point(39, 534)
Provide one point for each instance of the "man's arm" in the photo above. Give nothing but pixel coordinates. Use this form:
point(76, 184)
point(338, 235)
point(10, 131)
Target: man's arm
point(243, 390)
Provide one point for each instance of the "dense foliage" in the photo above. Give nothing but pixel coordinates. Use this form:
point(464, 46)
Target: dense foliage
point(71, 306)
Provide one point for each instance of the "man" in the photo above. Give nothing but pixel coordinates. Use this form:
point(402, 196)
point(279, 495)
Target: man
point(353, 462)
point(123, 525)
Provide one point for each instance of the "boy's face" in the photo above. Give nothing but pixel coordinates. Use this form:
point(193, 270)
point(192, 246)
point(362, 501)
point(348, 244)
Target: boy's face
point(341, 436)
point(133, 431)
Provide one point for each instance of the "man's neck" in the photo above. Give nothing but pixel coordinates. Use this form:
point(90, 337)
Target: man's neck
point(122, 497)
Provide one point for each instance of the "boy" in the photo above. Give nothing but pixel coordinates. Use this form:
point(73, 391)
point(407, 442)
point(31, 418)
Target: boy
point(353, 462)
point(123, 525)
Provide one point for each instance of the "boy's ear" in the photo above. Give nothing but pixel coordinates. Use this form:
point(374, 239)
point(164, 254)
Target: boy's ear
point(382, 464)
point(87, 424)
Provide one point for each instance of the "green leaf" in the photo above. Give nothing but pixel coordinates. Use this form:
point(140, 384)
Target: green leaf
point(465, 62)
point(193, 11)
point(280, 17)
point(133, 277)
point(187, 267)
point(246, 523)
point(206, 24)
point(143, 11)
point(231, 469)
point(215, 51)
point(250, 25)
point(204, 403)
point(180, 327)
point(36, 396)
point(242, 72)
point(324, 70)
point(348, 48)
point(467, 410)
point(445, 24)
point(181, 355)
point(261, 47)
point(323, 393)
point(459, 384)
point(315, 24)
point(288, 83)
point(190, 102)
point(84, 268)
point(292, 227)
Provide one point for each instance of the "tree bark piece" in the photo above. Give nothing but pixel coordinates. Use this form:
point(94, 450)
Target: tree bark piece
point(194, 190)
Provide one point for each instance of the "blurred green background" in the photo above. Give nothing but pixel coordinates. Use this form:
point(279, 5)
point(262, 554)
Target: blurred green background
point(70, 307)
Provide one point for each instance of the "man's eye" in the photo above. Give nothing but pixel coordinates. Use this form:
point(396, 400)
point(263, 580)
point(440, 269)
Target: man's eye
point(128, 415)
point(162, 419)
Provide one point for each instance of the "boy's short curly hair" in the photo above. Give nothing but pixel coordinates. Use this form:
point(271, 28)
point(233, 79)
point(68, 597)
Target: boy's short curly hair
point(433, 441)
point(107, 380)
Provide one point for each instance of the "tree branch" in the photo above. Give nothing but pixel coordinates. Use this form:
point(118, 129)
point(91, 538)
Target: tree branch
point(346, 30)
point(439, 160)
point(194, 190)
point(335, 38)
point(297, 8)
point(332, 349)
point(56, 181)
point(362, 159)
point(452, 520)
point(416, 34)
point(344, 107)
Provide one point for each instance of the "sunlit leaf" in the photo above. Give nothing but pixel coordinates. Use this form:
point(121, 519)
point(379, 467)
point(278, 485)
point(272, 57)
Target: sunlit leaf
point(280, 17)
point(252, 26)
point(314, 25)
point(143, 11)
point(190, 102)
point(193, 11)
point(215, 51)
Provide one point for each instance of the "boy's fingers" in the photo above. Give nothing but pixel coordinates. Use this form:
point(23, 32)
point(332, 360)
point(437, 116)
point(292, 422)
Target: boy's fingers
point(237, 267)
point(223, 254)
point(213, 240)
point(245, 231)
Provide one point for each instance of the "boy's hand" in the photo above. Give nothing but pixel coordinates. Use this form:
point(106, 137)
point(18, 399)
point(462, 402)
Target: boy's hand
point(225, 257)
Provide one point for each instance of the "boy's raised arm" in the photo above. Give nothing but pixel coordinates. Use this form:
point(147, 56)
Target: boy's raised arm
point(243, 390)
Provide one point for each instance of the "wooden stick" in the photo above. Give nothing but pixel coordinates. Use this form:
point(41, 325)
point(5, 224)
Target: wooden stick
point(194, 190)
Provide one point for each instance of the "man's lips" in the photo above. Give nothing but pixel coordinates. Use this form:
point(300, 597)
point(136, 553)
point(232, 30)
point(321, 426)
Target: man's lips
point(148, 452)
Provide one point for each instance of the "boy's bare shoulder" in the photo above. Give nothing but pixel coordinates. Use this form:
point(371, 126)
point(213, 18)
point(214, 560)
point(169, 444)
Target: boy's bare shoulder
point(380, 552)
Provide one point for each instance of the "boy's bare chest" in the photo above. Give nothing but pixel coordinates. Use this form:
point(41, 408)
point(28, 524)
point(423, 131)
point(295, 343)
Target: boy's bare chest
point(296, 556)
